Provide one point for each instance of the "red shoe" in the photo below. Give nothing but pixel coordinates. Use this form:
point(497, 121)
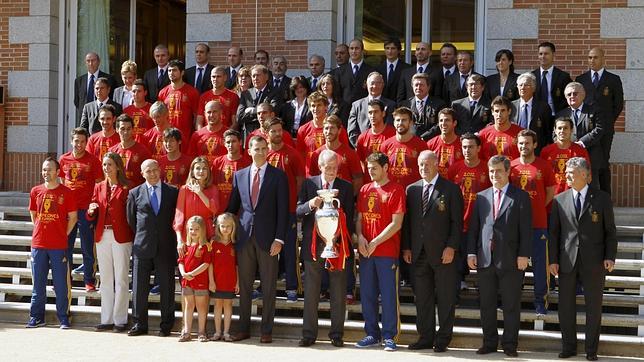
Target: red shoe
point(351, 299)
point(90, 288)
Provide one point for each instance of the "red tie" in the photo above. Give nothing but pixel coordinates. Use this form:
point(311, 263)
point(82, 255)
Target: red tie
point(497, 203)
point(254, 192)
point(326, 186)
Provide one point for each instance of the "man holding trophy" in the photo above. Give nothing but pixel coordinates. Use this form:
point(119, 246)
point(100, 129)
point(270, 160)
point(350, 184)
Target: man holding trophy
point(325, 204)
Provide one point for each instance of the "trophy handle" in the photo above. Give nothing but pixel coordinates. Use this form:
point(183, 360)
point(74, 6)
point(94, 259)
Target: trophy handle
point(336, 200)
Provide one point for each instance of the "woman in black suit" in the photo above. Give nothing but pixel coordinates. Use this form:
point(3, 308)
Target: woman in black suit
point(329, 87)
point(504, 82)
point(296, 113)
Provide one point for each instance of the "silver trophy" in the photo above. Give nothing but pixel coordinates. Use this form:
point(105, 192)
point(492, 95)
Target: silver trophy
point(326, 219)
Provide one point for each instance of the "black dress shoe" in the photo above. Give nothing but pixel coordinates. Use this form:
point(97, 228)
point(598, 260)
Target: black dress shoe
point(164, 333)
point(306, 342)
point(137, 331)
point(337, 342)
point(240, 336)
point(440, 349)
point(511, 352)
point(485, 350)
point(118, 328)
point(567, 354)
point(591, 357)
point(419, 344)
point(103, 327)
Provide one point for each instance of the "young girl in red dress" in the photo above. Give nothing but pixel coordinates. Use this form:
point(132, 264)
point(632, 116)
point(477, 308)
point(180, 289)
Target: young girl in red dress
point(224, 276)
point(194, 267)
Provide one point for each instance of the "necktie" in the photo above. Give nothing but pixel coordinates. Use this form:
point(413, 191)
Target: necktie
point(355, 69)
point(160, 79)
point(326, 186)
point(90, 89)
point(464, 85)
point(420, 106)
point(472, 106)
point(578, 205)
point(154, 200)
point(233, 76)
point(420, 69)
point(100, 105)
point(595, 79)
point(276, 84)
point(575, 116)
point(448, 73)
point(391, 71)
point(523, 123)
point(426, 197)
point(314, 85)
point(544, 86)
point(254, 191)
point(259, 97)
point(199, 78)
point(497, 203)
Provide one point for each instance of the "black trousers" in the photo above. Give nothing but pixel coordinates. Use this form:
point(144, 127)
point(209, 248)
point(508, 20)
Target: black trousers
point(164, 277)
point(337, 290)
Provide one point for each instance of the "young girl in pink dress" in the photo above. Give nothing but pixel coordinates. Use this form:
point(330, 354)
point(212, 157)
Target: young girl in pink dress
point(224, 275)
point(194, 266)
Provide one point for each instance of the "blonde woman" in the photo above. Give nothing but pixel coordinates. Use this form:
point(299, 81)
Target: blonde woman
point(123, 95)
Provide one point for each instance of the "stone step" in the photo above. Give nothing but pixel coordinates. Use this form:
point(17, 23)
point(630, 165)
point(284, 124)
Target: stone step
point(291, 328)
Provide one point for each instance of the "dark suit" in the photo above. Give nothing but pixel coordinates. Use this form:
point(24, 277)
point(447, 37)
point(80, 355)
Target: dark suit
point(259, 227)
point(560, 80)
point(80, 91)
point(248, 101)
point(472, 120)
point(154, 248)
point(190, 76)
point(493, 86)
point(608, 98)
point(540, 121)
point(590, 131)
point(426, 234)
point(340, 109)
point(405, 90)
point(359, 117)
point(287, 114)
point(89, 117)
point(285, 84)
point(150, 79)
point(452, 87)
point(391, 83)
point(511, 237)
point(580, 246)
point(426, 123)
point(231, 82)
point(315, 268)
point(353, 87)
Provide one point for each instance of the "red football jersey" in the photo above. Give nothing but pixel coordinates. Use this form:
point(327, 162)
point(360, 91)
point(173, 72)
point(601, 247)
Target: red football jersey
point(175, 172)
point(310, 138)
point(286, 137)
point(80, 175)
point(98, 144)
point(500, 142)
point(557, 158)
point(471, 180)
point(50, 223)
point(376, 206)
point(132, 158)
point(141, 118)
point(223, 171)
point(448, 153)
point(534, 178)
point(154, 142)
point(288, 160)
point(348, 168)
point(403, 159)
point(182, 106)
point(207, 144)
point(229, 101)
point(225, 266)
point(195, 256)
point(368, 143)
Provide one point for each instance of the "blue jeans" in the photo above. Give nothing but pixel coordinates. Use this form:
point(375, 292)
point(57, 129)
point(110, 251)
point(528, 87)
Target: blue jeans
point(41, 260)
point(88, 248)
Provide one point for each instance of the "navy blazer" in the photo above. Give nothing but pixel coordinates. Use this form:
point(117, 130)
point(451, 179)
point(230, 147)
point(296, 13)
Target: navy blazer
point(540, 121)
point(608, 97)
point(391, 85)
point(190, 75)
point(153, 234)
point(493, 86)
point(269, 219)
point(560, 80)
point(310, 186)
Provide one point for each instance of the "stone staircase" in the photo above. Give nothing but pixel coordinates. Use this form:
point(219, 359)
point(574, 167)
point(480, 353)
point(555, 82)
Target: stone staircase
point(622, 323)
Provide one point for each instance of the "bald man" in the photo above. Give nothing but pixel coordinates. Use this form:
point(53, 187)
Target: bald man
point(84, 85)
point(422, 65)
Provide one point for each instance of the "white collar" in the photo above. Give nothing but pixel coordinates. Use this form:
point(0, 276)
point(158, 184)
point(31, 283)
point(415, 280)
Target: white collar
point(394, 63)
point(431, 182)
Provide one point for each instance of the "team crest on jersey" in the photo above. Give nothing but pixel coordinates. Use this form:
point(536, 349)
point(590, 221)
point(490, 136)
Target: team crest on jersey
point(184, 98)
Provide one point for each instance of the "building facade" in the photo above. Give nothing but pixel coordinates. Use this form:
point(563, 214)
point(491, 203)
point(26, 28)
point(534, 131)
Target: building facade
point(43, 42)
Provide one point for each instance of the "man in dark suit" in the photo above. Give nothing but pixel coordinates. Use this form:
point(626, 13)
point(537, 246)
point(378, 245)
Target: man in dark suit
point(198, 75)
point(84, 85)
point(359, 115)
point(261, 92)
point(150, 212)
point(308, 203)
point(341, 58)
point(455, 86)
point(424, 107)
point(604, 91)
point(279, 79)
point(430, 240)
point(89, 116)
point(530, 113)
point(352, 77)
point(260, 199)
point(157, 78)
point(499, 246)
point(551, 80)
point(588, 129)
point(583, 245)
point(391, 68)
point(316, 66)
point(234, 58)
point(423, 54)
point(473, 112)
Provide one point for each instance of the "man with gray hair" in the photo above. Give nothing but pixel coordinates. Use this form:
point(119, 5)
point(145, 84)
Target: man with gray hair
point(588, 131)
point(153, 138)
point(531, 113)
point(582, 248)
point(359, 115)
point(436, 204)
point(316, 66)
point(308, 202)
point(279, 79)
point(262, 91)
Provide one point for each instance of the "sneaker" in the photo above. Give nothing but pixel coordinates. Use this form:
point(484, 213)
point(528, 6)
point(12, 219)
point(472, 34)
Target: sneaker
point(155, 290)
point(390, 345)
point(35, 323)
point(464, 285)
point(291, 296)
point(90, 287)
point(79, 270)
point(64, 324)
point(256, 294)
point(368, 341)
point(540, 310)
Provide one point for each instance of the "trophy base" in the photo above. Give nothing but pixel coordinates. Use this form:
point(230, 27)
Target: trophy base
point(329, 252)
